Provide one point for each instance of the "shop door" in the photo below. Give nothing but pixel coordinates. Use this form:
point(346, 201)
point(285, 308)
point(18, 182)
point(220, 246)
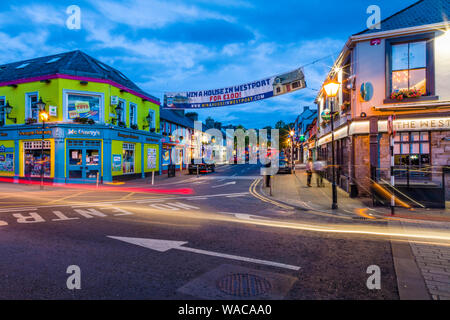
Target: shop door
point(84, 161)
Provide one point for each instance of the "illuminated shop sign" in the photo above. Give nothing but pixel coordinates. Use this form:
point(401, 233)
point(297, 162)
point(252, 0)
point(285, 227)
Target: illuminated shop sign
point(83, 132)
point(35, 132)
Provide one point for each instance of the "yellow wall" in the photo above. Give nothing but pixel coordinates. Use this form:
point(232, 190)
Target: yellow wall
point(52, 94)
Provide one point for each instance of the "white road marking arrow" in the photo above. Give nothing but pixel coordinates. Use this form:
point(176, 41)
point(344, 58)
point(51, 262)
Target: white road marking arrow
point(225, 184)
point(166, 245)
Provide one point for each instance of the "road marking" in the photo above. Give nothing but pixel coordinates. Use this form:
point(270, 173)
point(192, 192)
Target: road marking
point(109, 202)
point(253, 192)
point(166, 245)
point(225, 184)
point(127, 196)
point(173, 206)
point(3, 223)
point(68, 197)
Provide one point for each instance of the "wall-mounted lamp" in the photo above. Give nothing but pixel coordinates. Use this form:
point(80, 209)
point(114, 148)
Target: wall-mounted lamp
point(40, 105)
point(363, 115)
point(119, 110)
point(7, 108)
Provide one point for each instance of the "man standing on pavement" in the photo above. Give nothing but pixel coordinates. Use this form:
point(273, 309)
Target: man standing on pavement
point(309, 170)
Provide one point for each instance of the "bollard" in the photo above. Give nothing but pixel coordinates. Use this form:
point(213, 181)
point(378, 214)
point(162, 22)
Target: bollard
point(97, 179)
point(153, 177)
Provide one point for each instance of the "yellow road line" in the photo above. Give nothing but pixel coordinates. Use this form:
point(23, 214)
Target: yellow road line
point(127, 196)
point(362, 213)
point(253, 192)
point(68, 197)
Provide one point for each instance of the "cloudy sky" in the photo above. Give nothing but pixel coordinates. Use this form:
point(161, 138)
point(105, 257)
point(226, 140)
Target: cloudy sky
point(197, 44)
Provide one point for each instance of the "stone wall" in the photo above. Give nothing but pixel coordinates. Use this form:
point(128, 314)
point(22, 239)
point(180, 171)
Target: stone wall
point(440, 157)
point(362, 165)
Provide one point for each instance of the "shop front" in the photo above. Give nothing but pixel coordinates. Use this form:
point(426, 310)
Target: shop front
point(68, 153)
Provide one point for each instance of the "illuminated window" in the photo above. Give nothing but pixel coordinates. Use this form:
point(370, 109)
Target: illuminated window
point(409, 66)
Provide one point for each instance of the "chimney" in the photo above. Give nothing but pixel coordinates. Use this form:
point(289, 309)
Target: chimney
point(305, 109)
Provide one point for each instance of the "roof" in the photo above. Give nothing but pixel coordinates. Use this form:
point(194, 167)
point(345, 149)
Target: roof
point(74, 63)
point(420, 13)
point(172, 116)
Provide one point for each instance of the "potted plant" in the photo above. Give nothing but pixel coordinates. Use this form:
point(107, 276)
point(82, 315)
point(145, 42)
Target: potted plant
point(122, 124)
point(30, 120)
point(152, 129)
point(401, 95)
point(134, 127)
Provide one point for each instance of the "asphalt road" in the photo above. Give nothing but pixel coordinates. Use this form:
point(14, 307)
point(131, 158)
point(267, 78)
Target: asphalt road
point(238, 246)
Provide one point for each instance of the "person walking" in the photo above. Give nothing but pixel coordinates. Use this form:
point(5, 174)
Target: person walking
point(309, 171)
point(319, 169)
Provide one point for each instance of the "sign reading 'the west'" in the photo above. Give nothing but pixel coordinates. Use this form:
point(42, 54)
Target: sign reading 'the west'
point(233, 95)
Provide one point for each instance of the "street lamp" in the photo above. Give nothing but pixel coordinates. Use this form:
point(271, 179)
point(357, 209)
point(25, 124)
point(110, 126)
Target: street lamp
point(331, 88)
point(292, 147)
point(44, 117)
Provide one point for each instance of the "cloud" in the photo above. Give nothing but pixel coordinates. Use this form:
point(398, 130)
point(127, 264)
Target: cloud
point(154, 14)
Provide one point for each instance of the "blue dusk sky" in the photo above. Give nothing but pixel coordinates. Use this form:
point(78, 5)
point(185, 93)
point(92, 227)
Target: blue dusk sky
point(197, 44)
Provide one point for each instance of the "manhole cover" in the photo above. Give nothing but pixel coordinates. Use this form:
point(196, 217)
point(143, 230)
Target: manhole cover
point(243, 285)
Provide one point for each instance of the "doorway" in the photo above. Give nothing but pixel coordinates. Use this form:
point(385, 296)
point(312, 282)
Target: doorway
point(84, 160)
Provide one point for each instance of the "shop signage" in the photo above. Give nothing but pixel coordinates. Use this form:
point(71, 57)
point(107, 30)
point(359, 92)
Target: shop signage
point(422, 124)
point(151, 158)
point(83, 132)
point(4, 149)
point(35, 132)
point(151, 140)
point(127, 136)
point(239, 94)
point(117, 162)
point(7, 163)
point(2, 134)
point(114, 100)
point(52, 111)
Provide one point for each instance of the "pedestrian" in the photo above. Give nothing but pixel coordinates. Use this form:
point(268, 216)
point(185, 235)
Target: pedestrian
point(319, 169)
point(309, 171)
point(28, 170)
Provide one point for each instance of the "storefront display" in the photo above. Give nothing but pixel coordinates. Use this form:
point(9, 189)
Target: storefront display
point(35, 157)
point(128, 158)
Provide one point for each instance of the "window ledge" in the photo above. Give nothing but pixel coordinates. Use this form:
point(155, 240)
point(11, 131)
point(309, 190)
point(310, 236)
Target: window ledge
point(410, 100)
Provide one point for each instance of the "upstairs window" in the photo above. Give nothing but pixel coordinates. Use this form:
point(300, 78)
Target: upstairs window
point(133, 114)
point(32, 110)
point(410, 67)
point(2, 111)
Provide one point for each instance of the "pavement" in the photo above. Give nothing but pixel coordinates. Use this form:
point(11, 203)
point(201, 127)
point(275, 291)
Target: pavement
point(422, 267)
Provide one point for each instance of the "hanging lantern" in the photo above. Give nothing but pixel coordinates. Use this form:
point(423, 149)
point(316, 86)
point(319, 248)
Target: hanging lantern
point(326, 114)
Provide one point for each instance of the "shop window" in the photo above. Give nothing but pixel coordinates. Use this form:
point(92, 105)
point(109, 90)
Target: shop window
point(2, 111)
point(34, 158)
point(411, 65)
point(412, 150)
point(128, 158)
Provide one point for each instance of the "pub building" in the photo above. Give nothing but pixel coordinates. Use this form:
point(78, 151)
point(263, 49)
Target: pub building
point(399, 72)
point(100, 124)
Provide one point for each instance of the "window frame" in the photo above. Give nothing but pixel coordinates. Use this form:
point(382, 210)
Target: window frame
point(133, 120)
point(2, 111)
point(28, 113)
point(430, 66)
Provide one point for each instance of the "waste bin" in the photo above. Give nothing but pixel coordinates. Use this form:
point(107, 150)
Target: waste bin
point(171, 171)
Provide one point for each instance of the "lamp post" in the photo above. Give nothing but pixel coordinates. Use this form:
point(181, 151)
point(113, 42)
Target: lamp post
point(44, 117)
point(331, 88)
point(292, 148)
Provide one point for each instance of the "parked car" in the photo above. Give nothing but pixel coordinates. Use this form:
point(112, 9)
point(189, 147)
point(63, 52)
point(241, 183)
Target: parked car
point(202, 167)
point(284, 166)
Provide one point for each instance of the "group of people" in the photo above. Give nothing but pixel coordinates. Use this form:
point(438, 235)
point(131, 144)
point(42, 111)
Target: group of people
point(317, 167)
